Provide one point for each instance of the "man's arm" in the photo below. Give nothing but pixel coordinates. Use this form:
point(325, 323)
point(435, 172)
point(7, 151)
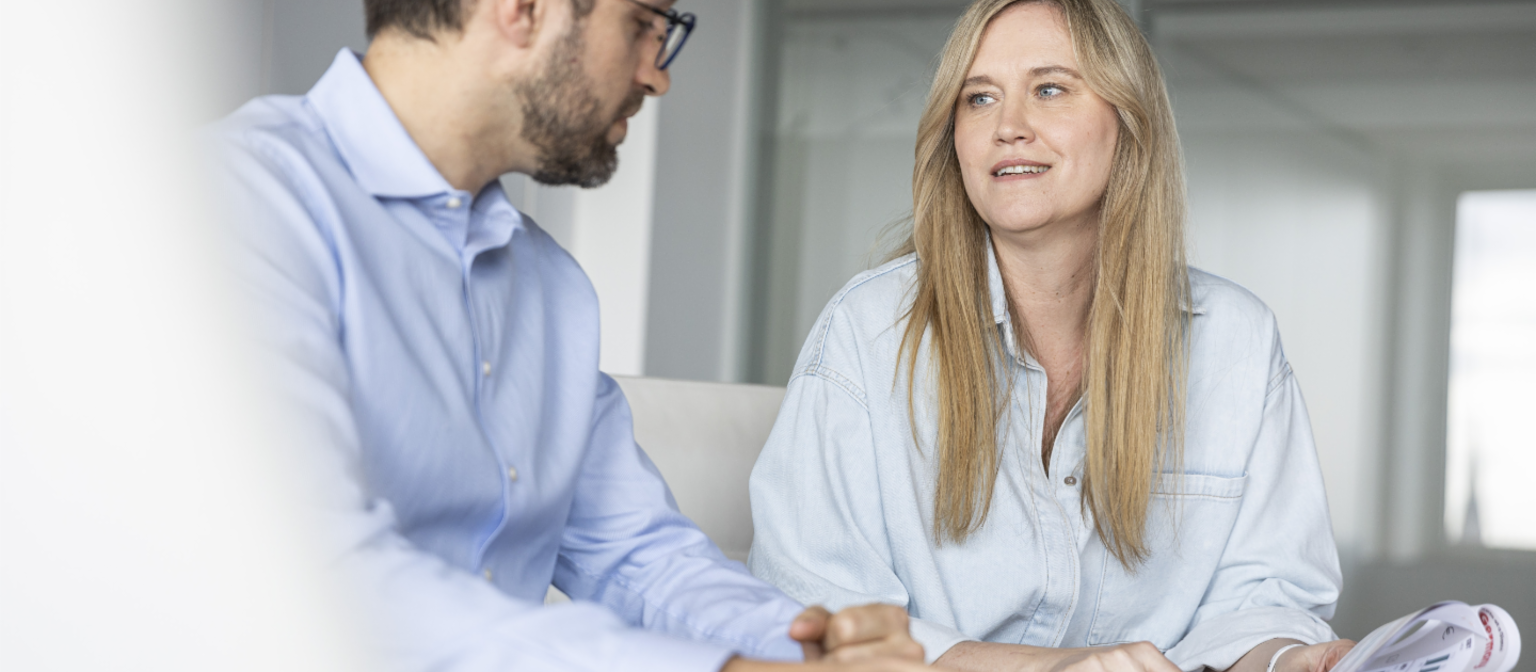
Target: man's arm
point(627, 546)
point(424, 612)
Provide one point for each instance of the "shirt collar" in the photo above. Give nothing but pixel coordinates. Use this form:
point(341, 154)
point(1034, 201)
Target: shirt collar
point(376, 148)
point(1000, 299)
point(995, 286)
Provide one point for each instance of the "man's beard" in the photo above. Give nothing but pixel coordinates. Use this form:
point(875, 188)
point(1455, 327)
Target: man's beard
point(564, 121)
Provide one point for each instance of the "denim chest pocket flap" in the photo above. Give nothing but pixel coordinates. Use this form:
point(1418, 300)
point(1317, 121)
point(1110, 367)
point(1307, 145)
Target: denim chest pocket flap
point(1189, 519)
point(1200, 485)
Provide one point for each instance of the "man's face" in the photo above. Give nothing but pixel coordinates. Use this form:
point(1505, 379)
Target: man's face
point(596, 77)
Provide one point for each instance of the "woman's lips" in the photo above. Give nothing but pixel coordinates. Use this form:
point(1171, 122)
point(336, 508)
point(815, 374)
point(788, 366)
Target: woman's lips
point(1019, 169)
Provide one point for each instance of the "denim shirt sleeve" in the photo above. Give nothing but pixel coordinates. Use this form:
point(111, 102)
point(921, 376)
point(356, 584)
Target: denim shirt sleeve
point(811, 538)
point(424, 613)
point(817, 513)
point(1278, 576)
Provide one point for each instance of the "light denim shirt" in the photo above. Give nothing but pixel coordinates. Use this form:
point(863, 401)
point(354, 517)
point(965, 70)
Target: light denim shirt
point(439, 352)
point(1241, 548)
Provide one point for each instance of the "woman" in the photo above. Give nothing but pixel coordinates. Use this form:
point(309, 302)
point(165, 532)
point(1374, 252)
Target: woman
point(1038, 430)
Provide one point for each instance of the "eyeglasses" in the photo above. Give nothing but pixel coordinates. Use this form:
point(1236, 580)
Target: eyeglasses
point(678, 28)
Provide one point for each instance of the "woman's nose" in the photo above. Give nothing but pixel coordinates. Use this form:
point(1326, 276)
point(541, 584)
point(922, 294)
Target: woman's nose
point(1013, 124)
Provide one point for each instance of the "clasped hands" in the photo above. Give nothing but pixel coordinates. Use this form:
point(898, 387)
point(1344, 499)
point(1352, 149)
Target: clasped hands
point(868, 638)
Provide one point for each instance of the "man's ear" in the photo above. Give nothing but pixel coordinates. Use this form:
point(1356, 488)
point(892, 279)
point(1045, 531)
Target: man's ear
point(519, 20)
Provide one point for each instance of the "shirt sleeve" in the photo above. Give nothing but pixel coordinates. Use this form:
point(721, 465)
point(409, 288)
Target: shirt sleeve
point(626, 545)
point(418, 612)
point(1279, 574)
point(819, 528)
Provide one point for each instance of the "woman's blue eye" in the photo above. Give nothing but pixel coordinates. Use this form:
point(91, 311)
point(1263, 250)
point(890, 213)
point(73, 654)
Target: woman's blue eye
point(1049, 91)
point(980, 98)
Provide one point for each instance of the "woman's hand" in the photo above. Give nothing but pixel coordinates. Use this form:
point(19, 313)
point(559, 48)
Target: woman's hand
point(1137, 657)
point(992, 657)
point(1316, 658)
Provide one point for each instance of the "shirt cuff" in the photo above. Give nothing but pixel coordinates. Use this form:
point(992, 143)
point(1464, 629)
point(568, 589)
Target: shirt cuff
point(935, 638)
point(1218, 642)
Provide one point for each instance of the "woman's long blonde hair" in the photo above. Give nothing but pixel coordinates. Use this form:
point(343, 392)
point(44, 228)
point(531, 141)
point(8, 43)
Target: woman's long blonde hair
point(1134, 374)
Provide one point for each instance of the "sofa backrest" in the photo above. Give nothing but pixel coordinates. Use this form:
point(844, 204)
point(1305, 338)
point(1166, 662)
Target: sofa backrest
point(705, 437)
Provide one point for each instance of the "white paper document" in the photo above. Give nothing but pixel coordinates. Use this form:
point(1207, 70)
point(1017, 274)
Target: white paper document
point(1446, 637)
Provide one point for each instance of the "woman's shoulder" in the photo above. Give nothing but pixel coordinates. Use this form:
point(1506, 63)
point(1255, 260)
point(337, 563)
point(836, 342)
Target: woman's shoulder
point(1231, 325)
point(862, 320)
point(1219, 300)
point(881, 289)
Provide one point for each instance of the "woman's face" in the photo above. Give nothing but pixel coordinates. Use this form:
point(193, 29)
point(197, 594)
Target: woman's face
point(1035, 144)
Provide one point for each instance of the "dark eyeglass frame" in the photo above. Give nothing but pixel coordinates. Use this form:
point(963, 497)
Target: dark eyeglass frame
point(675, 21)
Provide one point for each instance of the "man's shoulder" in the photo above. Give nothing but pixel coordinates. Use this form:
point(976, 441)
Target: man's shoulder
point(265, 127)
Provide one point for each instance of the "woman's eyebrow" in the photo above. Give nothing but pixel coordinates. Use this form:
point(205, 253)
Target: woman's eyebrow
point(1042, 71)
point(1054, 70)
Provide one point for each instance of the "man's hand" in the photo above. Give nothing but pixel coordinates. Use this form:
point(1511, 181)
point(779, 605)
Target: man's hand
point(1316, 658)
point(856, 633)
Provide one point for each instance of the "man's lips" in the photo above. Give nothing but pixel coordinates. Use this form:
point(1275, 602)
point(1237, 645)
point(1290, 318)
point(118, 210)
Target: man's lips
point(630, 109)
point(1019, 169)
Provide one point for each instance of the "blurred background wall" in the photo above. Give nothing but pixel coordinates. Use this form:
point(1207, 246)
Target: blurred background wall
point(1327, 144)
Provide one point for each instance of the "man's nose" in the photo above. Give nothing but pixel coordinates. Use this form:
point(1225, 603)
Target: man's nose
point(655, 80)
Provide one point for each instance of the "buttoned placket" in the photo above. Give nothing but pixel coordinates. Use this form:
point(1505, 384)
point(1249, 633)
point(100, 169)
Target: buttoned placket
point(456, 216)
point(1056, 514)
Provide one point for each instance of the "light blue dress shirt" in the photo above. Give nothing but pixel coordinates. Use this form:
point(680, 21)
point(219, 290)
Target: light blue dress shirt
point(438, 352)
point(1242, 550)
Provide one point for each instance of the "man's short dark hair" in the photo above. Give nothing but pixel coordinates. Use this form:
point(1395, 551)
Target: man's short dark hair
point(423, 18)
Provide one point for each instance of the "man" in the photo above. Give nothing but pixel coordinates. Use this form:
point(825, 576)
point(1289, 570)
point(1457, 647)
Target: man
point(439, 352)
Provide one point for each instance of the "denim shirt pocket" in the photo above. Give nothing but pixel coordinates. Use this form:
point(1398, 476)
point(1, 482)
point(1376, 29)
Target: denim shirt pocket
point(1189, 519)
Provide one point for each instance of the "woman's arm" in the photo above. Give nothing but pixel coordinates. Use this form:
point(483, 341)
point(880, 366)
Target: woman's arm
point(1278, 577)
point(1299, 658)
point(1138, 657)
point(991, 657)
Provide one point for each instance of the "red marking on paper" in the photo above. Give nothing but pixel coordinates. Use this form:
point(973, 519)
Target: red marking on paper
point(1488, 652)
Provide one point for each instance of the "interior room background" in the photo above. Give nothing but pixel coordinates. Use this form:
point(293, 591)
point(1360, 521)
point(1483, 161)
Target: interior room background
point(1332, 147)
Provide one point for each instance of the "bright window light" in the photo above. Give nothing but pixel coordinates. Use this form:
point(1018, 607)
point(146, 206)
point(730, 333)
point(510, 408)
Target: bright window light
point(1491, 422)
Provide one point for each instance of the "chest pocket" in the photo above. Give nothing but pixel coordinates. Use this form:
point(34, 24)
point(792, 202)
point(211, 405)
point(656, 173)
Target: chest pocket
point(1189, 520)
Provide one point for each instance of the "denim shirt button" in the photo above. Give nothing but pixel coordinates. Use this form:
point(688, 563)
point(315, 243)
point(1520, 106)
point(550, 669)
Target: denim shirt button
point(1070, 480)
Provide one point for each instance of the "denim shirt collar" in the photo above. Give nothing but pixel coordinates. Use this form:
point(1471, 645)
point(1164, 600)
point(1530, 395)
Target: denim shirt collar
point(373, 144)
point(1000, 310)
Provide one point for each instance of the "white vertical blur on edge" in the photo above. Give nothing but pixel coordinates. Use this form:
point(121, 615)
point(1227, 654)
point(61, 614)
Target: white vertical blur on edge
point(143, 520)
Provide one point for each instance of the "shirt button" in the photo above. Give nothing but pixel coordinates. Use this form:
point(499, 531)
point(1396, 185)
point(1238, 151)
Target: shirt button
point(487, 574)
point(512, 473)
point(1071, 480)
point(454, 202)
point(485, 368)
